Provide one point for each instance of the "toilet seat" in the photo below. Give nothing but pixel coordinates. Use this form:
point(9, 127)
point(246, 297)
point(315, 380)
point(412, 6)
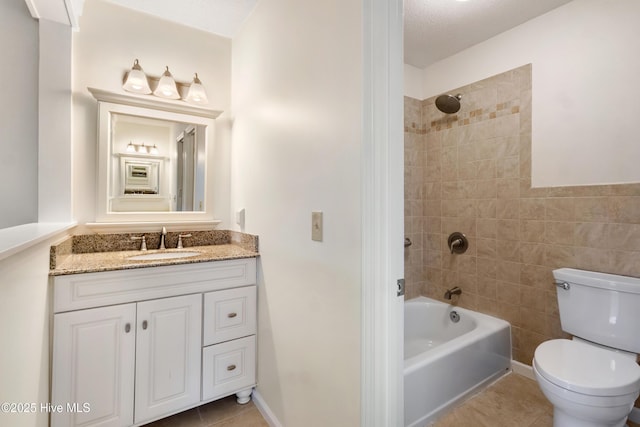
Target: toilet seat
point(586, 369)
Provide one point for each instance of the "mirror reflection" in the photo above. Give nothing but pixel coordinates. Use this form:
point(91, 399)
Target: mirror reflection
point(156, 165)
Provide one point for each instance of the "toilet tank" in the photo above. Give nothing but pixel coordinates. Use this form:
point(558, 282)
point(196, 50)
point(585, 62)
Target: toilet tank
point(598, 307)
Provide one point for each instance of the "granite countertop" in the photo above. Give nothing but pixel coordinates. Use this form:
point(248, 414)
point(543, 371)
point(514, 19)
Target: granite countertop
point(94, 253)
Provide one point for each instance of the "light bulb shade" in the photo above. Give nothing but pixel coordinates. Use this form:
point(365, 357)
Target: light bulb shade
point(131, 148)
point(167, 87)
point(196, 94)
point(154, 150)
point(136, 81)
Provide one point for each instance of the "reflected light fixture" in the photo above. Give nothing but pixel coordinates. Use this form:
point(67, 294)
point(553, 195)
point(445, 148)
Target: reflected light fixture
point(167, 86)
point(136, 81)
point(142, 149)
point(196, 94)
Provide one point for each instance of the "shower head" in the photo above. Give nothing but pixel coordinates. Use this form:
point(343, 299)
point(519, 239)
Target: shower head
point(448, 104)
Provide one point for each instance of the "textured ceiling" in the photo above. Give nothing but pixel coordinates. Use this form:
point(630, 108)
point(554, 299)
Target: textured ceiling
point(436, 29)
point(433, 29)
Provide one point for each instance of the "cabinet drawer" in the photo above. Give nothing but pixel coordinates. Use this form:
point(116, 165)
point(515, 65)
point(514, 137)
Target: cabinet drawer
point(228, 367)
point(229, 314)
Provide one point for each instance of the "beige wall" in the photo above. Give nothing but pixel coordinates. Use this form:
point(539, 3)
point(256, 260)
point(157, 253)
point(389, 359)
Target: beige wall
point(471, 172)
point(297, 136)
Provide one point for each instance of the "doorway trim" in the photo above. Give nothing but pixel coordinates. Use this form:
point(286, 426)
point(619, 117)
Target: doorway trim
point(382, 215)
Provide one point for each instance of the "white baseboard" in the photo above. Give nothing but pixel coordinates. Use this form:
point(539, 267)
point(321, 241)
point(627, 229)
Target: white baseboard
point(266, 412)
point(522, 369)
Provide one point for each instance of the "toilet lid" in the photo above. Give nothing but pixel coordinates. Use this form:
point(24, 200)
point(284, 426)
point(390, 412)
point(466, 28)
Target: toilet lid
point(587, 369)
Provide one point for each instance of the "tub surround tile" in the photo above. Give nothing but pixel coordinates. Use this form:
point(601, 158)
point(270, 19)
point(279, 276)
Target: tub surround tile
point(105, 252)
point(476, 172)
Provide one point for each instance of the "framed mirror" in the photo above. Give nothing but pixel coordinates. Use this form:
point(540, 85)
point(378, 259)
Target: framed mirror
point(153, 160)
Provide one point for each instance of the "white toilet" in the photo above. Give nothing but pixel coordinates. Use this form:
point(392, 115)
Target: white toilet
point(592, 380)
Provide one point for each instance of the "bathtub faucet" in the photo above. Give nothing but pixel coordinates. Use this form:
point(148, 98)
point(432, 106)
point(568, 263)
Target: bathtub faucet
point(453, 291)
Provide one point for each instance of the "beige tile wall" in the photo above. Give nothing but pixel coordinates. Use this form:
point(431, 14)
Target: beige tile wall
point(471, 172)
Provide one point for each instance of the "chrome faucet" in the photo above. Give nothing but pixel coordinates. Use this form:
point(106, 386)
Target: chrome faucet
point(453, 291)
point(163, 237)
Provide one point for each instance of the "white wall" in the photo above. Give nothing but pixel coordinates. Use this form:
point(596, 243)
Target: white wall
point(297, 135)
point(18, 115)
point(24, 334)
point(413, 82)
point(109, 40)
point(34, 184)
point(585, 77)
point(54, 123)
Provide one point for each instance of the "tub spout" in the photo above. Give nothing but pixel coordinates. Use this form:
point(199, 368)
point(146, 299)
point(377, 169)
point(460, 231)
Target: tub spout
point(453, 291)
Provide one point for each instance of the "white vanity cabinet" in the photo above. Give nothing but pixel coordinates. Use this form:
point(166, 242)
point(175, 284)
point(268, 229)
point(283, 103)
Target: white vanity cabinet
point(228, 356)
point(138, 345)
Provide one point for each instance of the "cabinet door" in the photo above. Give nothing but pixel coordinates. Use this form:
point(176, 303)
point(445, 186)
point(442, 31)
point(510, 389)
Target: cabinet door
point(168, 346)
point(93, 364)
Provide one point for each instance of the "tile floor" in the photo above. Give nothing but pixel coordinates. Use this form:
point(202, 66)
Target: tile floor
point(221, 413)
point(512, 401)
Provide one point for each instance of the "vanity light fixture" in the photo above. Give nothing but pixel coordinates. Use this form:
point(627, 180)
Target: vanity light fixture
point(131, 148)
point(167, 86)
point(154, 150)
point(197, 94)
point(136, 80)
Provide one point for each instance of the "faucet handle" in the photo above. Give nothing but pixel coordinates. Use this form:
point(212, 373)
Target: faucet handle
point(143, 245)
point(180, 236)
point(163, 237)
point(457, 243)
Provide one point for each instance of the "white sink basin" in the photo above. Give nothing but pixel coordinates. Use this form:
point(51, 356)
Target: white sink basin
point(163, 255)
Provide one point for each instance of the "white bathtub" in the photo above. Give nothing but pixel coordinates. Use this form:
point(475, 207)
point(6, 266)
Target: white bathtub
point(444, 362)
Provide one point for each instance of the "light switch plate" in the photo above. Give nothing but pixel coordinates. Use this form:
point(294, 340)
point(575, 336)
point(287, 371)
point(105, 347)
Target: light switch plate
point(316, 226)
point(240, 218)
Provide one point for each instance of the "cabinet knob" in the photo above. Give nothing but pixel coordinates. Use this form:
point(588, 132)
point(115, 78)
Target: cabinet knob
point(127, 328)
point(231, 367)
point(232, 315)
point(144, 324)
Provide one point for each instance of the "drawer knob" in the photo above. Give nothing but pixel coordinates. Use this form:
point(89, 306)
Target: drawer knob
point(231, 367)
point(127, 328)
point(144, 324)
point(232, 315)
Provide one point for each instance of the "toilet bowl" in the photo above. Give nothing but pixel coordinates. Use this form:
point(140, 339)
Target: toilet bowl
point(593, 379)
point(588, 386)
